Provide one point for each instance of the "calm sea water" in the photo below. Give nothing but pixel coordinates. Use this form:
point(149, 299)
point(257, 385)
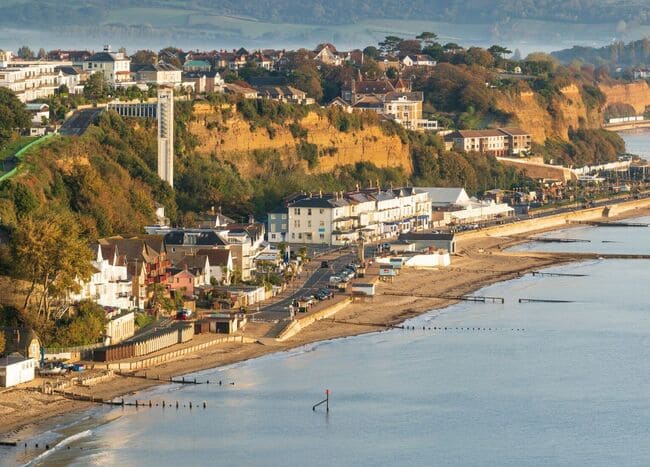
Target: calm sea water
point(637, 142)
point(539, 384)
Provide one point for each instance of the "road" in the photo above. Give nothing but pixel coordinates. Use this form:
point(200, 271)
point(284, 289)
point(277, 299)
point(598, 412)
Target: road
point(79, 122)
point(318, 280)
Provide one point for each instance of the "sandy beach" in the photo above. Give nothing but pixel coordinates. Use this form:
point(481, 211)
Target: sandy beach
point(481, 262)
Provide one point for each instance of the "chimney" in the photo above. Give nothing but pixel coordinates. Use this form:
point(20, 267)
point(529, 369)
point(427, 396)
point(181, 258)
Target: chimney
point(310, 195)
point(108, 48)
point(320, 193)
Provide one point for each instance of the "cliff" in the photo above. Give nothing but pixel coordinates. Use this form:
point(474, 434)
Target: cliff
point(233, 140)
point(636, 94)
point(549, 117)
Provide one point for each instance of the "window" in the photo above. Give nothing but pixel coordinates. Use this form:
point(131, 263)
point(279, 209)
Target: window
point(308, 223)
point(322, 236)
point(296, 224)
point(309, 212)
point(321, 224)
point(296, 211)
point(321, 211)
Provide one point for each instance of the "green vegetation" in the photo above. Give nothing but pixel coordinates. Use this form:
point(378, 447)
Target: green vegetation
point(16, 145)
point(85, 327)
point(636, 53)
point(13, 116)
point(584, 147)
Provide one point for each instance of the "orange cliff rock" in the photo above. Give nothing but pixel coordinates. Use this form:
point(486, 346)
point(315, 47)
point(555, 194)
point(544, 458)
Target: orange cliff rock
point(636, 94)
point(234, 141)
point(568, 110)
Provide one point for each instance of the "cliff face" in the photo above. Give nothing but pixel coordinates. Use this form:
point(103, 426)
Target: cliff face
point(233, 140)
point(549, 119)
point(636, 94)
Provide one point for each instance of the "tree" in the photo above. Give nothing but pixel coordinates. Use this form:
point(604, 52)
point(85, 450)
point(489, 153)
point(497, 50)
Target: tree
point(144, 57)
point(50, 254)
point(409, 47)
point(25, 53)
point(372, 52)
point(42, 53)
point(390, 45)
point(13, 115)
point(160, 300)
point(428, 38)
point(96, 87)
point(307, 78)
point(498, 51)
point(2, 343)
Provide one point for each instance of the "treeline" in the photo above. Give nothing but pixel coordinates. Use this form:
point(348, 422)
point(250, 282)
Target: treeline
point(618, 54)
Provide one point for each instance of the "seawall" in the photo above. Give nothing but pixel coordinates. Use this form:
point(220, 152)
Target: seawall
point(555, 221)
point(299, 324)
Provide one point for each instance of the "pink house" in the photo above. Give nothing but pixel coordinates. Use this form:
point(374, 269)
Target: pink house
point(182, 280)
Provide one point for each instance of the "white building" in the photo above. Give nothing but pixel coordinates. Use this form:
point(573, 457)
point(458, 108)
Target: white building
point(16, 370)
point(39, 112)
point(115, 66)
point(161, 74)
point(418, 60)
point(29, 79)
point(454, 206)
point(109, 285)
point(340, 218)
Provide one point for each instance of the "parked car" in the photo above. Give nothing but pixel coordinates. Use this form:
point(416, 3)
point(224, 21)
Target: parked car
point(335, 280)
point(324, 265)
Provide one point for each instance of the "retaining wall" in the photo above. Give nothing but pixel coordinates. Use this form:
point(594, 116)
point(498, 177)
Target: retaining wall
point(299, 324)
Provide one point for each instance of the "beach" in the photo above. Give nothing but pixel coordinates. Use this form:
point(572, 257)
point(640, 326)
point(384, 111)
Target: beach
point(481, 261)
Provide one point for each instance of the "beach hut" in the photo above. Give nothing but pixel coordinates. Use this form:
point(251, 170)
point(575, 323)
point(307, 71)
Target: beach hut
point(16, 370)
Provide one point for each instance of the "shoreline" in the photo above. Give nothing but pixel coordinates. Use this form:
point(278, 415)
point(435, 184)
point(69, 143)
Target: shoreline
point(481, 263)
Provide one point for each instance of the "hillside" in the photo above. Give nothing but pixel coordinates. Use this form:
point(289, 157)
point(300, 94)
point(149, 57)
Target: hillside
point(530, 25)
point(70, 12)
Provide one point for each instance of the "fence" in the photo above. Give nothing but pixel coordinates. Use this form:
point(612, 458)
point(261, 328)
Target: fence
point(146, 344)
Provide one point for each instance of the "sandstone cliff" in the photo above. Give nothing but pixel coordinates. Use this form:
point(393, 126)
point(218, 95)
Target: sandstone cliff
point(549, 119)
point(233, 140)
point(636, 94)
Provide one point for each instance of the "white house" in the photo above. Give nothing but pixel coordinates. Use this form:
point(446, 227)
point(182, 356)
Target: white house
point(115, 66)
point(221, 264)
point(340, 218)
point(418, 60)
point(161, 73)
point(454, 206)
point(109, 285)
point(16, 370)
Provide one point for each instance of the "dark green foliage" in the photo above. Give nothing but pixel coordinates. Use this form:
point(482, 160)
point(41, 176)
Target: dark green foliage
point(584, 147)
point(13, 115)
point(308, 152)
point(86, 327)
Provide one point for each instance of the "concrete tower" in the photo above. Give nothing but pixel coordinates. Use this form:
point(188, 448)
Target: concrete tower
point(166, 134)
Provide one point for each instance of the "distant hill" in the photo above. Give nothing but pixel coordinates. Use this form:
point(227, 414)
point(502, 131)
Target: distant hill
point(636, 53)
point(278, 22)
point(50, 13)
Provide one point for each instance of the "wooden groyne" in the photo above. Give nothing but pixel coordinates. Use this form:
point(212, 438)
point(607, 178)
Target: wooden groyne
point(611, 224)
point(460, 298)
point(542, 300)
point(556, 274)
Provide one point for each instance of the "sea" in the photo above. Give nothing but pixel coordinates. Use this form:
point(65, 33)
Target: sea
point(476, 384)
